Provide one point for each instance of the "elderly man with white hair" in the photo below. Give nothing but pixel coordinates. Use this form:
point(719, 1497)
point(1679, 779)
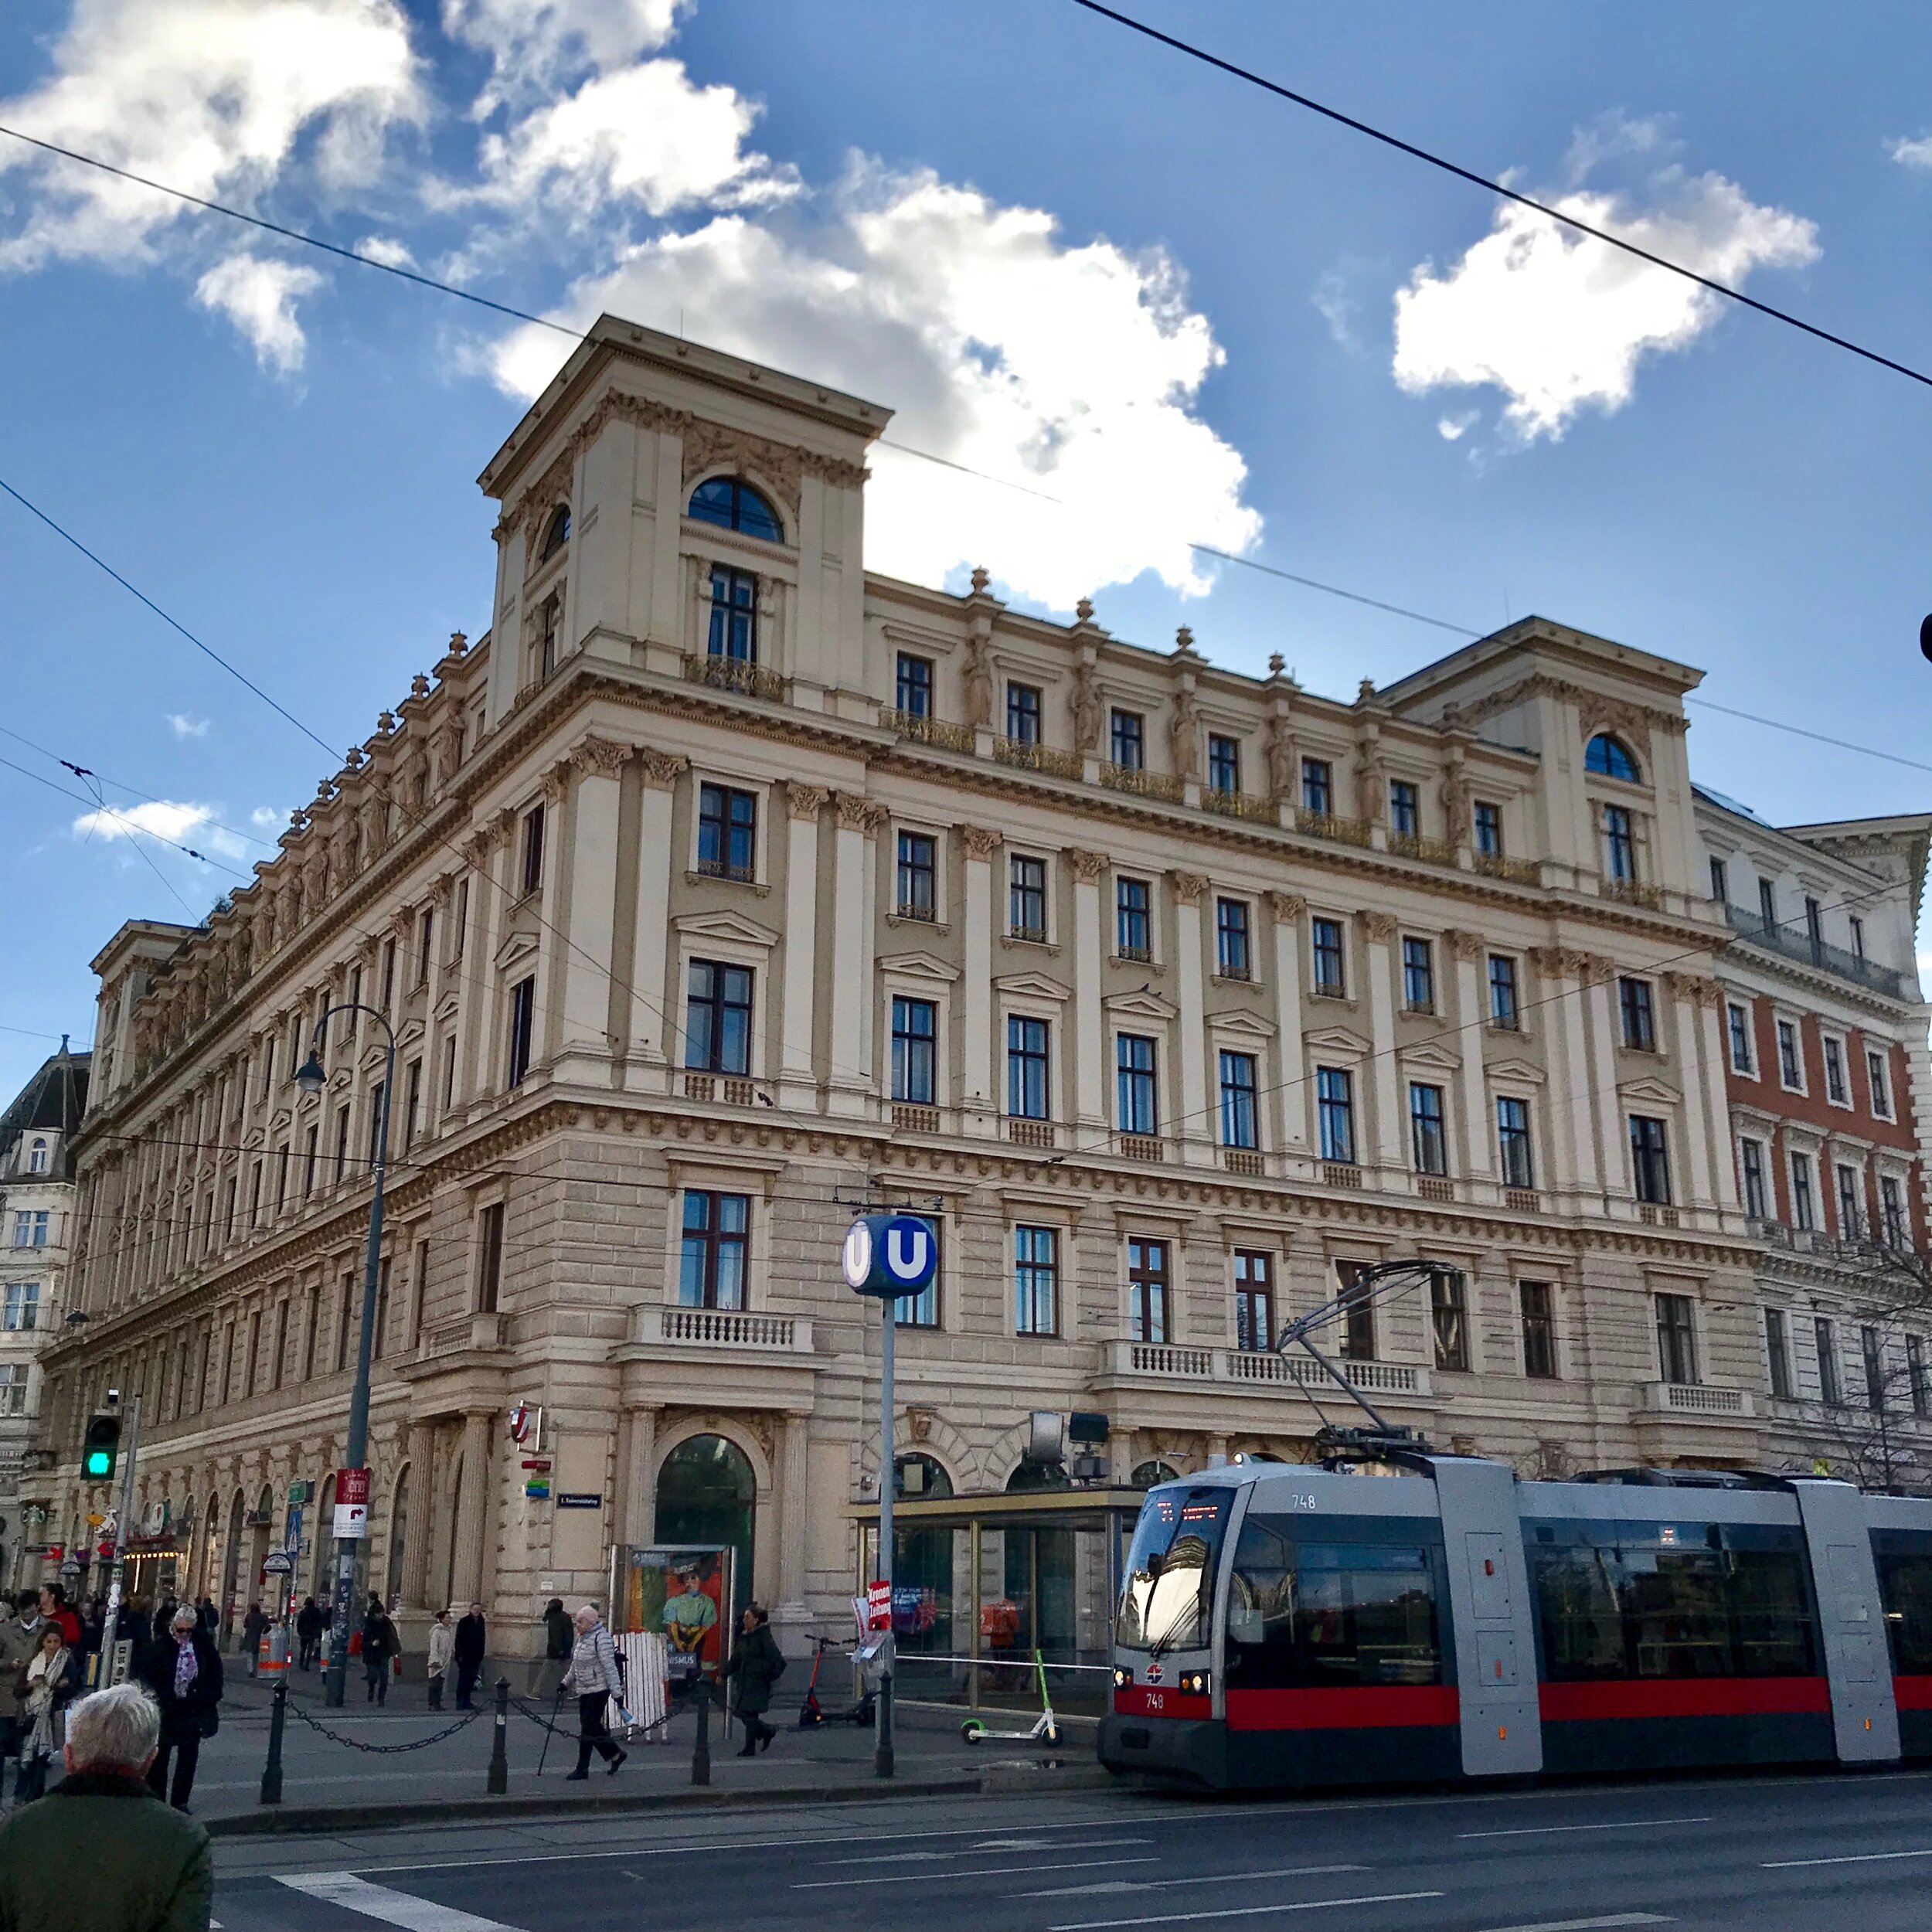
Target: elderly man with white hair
point(100, 1852)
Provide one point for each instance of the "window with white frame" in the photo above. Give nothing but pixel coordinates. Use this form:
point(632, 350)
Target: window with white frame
point(1851, 1202)
point(1750, 1160)
point(1513, 1146)
point(727, 832)
point(1837, 1090)
point(1239, 1083)
point(1737, 1018)
point(1029, 1084)
point(1637, 1009)
point(1026, 897)
point(1505, 1002)
point(1428, 1142)
point(917, 895)
point(1804, 1202)
point(1133, 919)
point(22, 1306)
point(1830, 1388)
point(30, 1227)
point(1233, 949)
point(1147, 1263)
point(1418, 976)
point(1676, 1339)
point(1778, 1353)
point(13, 1389)
point(1876, 1073)
point(1892, 1210)
point(1650, 1159)
point(915, 1066)
point(1137, 1090)
point(714, 1250)
point(1036, 1273)
point(1790, 1064)
point(1335, 1108)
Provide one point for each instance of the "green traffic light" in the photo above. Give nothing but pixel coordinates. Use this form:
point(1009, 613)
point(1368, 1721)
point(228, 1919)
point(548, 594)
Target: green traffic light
point(100, 1462)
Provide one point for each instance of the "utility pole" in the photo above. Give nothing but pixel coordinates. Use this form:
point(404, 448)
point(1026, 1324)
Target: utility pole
point(110, 1622)
point(882, 1763)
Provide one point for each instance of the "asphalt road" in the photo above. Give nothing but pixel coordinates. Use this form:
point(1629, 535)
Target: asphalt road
point(1830, 1854)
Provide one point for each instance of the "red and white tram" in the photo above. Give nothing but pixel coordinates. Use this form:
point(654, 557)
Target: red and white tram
point(1429, 1617)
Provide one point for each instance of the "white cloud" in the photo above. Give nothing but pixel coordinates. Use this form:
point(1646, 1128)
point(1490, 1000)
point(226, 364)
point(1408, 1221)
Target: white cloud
point(266, 819)
point(210, 96)
point(1560, 322)
point(184, 727)
point(1914, 153)
point(533, 42)
point(1336, 307)
point(258, 294)
point(381, 248)
point(1075, 371)
point(1452, 429)
point(180, 824)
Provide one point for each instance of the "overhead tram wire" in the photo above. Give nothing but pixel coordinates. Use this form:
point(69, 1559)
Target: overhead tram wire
point(1609, 236)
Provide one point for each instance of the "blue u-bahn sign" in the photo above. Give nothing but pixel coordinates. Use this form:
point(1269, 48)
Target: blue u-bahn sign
point(889, 1256)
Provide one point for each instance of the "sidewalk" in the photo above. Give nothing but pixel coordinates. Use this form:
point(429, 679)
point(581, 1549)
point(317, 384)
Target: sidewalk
point(371, 1777)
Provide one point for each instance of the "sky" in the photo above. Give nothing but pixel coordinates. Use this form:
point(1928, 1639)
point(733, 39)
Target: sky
point(1191, 313)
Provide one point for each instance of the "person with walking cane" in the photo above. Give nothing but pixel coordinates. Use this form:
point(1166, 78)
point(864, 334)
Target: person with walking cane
point(593, 1675)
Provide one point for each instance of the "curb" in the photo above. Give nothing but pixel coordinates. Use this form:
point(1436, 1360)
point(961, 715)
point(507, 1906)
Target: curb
point(279, 1821)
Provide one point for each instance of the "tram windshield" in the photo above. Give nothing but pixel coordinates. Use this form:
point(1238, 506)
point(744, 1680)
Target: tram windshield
point(1168, 1601)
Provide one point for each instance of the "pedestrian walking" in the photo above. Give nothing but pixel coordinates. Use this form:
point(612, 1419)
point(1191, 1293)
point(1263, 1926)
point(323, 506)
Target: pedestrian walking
point(253, 1625)
point(19, 1640)
point(755, 1666)
point(593, 1675)
point(442, 1648)
point(184, 1673)
point(308, 1632)
point(101, 1853)
point(380, 1642)
point(472, 1637)
point(558, 1635)
point(51, 1678)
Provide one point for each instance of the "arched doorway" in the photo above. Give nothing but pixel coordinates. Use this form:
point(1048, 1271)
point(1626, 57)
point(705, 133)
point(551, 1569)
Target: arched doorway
point(705, 1494)
point(210, 1571)
point(231, 1564)
point(321, 1586)
point(399, 1527)
point(257, 1589)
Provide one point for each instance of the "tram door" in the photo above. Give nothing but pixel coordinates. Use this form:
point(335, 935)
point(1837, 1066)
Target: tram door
point(1865, 1715)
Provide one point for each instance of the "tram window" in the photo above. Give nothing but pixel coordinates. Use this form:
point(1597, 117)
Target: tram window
point(1168, 1600)
point(1905, 1588)
point(1331, 1615)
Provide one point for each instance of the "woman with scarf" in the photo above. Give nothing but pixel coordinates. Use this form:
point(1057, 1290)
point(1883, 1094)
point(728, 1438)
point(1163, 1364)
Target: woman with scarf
point(52, 1675)
point(184, 1672)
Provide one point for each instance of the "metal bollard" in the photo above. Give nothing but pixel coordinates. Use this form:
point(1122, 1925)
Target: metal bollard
point(499, 1759)
point(272, 1771)
point(701, 1746)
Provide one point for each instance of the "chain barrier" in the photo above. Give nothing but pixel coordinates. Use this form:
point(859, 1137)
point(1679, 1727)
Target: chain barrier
point(385, 1750)
point(521, 1706)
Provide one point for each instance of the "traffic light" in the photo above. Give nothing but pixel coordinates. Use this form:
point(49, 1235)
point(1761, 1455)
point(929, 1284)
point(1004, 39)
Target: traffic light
point(103, 1445)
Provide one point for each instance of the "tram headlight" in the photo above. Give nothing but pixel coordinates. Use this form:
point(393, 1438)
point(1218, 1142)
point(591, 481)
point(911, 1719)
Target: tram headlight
point(1194, 1683)
point(1122, 1678)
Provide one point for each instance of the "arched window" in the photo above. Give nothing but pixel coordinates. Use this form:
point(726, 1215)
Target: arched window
point(557, 534)
point(37, 1157)
point(917, 1475)
point(1146, 1475)
point(1612, 758)
point(732, 505)
point(705, 1494)
point(399, 1526)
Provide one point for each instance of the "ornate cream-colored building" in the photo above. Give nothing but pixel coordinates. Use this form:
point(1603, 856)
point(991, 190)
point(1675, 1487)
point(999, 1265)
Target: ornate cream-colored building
point(725, 884)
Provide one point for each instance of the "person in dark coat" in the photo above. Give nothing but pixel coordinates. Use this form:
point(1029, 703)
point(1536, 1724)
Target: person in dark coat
point(558, 1634)
point(184, 1672)
point(138, 1631)
point(253, 1625)
point(471, 1636)
point(308, 1632)
point(380, 1642)
point(100, 1849)
point(755, 1665)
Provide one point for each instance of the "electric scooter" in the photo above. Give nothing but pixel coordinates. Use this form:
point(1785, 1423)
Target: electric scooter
point(1045, 1729)
point(812, 1714)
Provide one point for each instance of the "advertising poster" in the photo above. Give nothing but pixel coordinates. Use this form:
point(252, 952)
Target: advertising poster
point(681, 1592)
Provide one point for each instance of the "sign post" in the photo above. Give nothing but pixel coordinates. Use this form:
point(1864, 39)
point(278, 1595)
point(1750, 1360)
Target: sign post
point(110, 1618)
point(888, 1256)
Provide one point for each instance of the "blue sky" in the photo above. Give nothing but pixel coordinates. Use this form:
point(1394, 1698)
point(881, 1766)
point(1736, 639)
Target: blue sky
point(1067, 255)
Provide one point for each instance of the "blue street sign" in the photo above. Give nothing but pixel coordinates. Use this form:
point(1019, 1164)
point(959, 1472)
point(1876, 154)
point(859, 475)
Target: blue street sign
point(889, 1256)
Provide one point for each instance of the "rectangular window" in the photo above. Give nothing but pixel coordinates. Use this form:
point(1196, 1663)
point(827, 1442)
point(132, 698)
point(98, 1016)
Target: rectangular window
point(30, 1227)
point(1791, 1068)
point(1036, 1280)
point(1428, 1145)
point(1620, 843)
point(379, 1329)
point(386, 997)
point(915, 1051)
point(912, 687)
point(711, 1271)
point(1851, 1202)
point(449, 1072)
point(727, 832)
point(1335, 1106)
point(344, 1316)
point(1536, 1305)
point(717, 1017)
point(1506, 1006)
point(1738, 1020)
point(1804, 1204)
point(918, 886)
point(920, 1310)
point(1136, 1098)
point(1233, 956)
point(312, 1331)
point(1767, 904)
point(1325, 946)
point(1418, 976)
point(1513, 1142)
point(1915, 1370)
point(1358, 1339)
point(412, 1103)
point(1405, 807)
point(1638, 1009)
point(1238, 1084)
point(1448, 1319)
point(425, 943)
point(1834, 1086)
point(1858, 937)
point(533, 849)
point(22, 1306)
point(462, 919)
point(1026, 906)
point(1873, 1351)
point(13, 1389)
point(1127, 740)
point(1318, 786)
point(1254, 1301)
point(1814, 922)
point(1147, 1289)
point(1875, 1072)
point(522, 1029)
point(1751, 1161)
point(1720, 882)
point(489, 1258)
point(1023, 713)
point(1778, 1353)
point(342, 1142)
point(1027, 1088)
point(734, 616)
point(1676, 1339)
point(1488, 829)
point(1650, 1159)
point(1133, 928)
point(1224, 764)
point(1892, 1210)
point(1831, 1389)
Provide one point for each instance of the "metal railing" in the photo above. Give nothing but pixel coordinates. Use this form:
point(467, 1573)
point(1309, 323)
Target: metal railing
point(1797, 944)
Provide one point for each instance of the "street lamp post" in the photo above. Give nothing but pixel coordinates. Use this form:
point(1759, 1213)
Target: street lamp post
point(311, 1078)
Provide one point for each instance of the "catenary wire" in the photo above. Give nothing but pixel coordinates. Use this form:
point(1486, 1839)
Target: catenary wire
point(1489, 186)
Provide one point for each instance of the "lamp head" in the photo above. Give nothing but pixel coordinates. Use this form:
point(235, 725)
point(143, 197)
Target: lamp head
point(310, 1077)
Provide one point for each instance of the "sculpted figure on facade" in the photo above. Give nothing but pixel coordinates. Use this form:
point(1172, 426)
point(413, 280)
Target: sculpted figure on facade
point(977, 679)
point(1087, 710)
point(1184, 735)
